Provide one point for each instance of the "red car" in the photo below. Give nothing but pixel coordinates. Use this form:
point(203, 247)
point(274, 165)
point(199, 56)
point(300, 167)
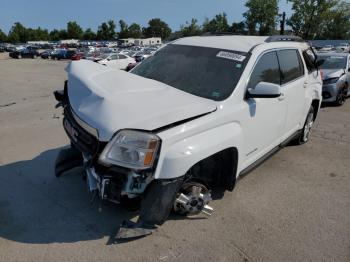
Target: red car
point(77, 56)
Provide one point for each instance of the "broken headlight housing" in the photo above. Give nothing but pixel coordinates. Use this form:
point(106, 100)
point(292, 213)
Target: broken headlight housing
point(132, 149)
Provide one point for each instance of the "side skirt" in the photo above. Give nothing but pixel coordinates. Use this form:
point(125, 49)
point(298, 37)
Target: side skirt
point(261, 160)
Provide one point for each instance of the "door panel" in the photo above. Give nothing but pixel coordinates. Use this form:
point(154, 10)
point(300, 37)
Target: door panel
point(264, 119)
point(293, 88)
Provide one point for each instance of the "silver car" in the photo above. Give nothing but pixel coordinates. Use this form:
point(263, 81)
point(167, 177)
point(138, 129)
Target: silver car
point(336, 77)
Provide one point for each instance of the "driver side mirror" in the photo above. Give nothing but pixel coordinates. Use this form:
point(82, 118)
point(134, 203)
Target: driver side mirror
point(264, 90)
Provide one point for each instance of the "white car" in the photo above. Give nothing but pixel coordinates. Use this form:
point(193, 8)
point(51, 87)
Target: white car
point(344, 47)
point(198, 114)
point(327, 48)
point(116, 61)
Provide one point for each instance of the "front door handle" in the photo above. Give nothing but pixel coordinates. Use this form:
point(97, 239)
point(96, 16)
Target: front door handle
point(306, 84)
point(281, 97)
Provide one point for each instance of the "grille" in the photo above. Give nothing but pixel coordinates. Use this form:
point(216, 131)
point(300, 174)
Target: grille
point(81, 139)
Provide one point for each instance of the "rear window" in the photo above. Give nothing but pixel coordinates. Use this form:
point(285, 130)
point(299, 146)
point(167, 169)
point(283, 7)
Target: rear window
point(206, 72)
point(290, 64)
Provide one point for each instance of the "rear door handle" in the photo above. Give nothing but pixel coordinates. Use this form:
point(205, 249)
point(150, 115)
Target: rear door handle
point(281, 97)
point(306, 84)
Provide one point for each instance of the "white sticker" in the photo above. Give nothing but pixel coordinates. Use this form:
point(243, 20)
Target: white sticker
point(231, 56)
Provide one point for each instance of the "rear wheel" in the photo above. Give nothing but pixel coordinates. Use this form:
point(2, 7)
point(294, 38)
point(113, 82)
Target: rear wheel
point(305, 133)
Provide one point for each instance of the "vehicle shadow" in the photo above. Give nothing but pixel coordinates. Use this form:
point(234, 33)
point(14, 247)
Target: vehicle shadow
point(36, 207)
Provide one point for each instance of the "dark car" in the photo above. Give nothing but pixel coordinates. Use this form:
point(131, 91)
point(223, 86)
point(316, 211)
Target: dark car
point(25, 53)
point(46, 54)
point(131, 66)
point(2, 49)
point(63, 54)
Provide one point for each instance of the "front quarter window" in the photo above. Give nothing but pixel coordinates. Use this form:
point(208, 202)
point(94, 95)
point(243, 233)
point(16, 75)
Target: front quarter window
point(206, 72)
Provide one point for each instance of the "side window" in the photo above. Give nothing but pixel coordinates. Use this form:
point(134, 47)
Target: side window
point(290, 65)
point(310, 60)
point(266, 70)
point(122, 56)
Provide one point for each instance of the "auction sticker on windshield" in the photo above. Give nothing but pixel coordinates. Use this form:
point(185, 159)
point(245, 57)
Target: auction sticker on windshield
point(231, 56)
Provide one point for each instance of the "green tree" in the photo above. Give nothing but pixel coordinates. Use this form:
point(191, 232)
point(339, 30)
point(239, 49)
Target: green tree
point(106, 31)
point(310, 17)
point(157, 28)
point(261, 16)
point(135, 30)
point(3, 36)
point(54, 35)
point(239, 28)
point(124, 29)
point(89, 34)
point(218, 24)
point(74, 31)
point(18, 34)
point(191, 29)
point(337, 26)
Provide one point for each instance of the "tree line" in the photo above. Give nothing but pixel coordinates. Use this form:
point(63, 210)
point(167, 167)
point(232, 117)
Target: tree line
point(310, 19)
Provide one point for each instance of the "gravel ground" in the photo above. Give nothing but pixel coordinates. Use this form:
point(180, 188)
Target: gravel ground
point(294, 207)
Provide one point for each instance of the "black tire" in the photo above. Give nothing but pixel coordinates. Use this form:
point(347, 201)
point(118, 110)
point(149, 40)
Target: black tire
point(67, 159)
point(305, 132)
point(341, 97)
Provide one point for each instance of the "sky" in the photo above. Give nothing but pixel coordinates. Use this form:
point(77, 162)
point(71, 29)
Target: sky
point(52, 14)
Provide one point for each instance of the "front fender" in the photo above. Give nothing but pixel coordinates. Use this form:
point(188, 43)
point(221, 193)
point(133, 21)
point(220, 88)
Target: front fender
point(177, 158)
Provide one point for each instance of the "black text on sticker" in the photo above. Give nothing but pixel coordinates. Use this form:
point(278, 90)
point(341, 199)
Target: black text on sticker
point(231, 56)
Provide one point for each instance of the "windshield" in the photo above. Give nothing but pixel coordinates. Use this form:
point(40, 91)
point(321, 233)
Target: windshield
point(206, 72)
point(333, 62)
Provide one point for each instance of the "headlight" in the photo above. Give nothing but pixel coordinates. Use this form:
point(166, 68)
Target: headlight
point(132, 149)
point(331, 80)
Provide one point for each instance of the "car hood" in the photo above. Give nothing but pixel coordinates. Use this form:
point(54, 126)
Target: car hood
point(332, 73)
point(109, 100)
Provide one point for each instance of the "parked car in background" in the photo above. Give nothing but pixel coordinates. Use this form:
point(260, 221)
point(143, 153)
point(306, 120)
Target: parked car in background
point(345, 47)
point(327, 48)
point(46, 54)
point(142, 55)
point(114, 60)
point(25, 53)
point(131, 66)
point(78, 56)
point(2, 48)
point(336, 77)
point(63, 54)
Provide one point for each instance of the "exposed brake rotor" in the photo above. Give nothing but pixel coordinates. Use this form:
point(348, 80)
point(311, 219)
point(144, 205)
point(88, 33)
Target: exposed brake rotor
point(193, 198)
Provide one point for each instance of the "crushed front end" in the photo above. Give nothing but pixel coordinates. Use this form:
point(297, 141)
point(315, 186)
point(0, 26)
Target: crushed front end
point(118, 171)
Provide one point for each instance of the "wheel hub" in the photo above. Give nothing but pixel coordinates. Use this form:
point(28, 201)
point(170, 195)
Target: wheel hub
point(192, 199)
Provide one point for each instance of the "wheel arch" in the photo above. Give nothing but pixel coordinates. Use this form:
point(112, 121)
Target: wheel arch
point(177, 159)
point(316, 103)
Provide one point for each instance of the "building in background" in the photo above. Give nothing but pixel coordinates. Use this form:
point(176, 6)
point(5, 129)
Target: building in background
point(141, 41)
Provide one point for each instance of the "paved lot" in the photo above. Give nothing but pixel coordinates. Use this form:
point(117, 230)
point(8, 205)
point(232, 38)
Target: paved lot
point(295, 207)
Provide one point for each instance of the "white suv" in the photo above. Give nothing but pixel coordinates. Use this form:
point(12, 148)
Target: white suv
point(199, 113)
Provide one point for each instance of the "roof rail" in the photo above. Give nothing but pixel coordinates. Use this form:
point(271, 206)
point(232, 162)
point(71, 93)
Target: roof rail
point(283, 38)
point(218, 33)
